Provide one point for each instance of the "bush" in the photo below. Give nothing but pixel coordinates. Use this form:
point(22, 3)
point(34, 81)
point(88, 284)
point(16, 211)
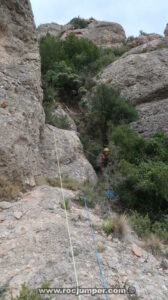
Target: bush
point(64, 81)
point(108, 226)
point(31, 294)
point(131, 147)
point(108, 106)
point(144, 187)
point(79, 23)
point(160, 228)
point(153, 244)
point(141, 224)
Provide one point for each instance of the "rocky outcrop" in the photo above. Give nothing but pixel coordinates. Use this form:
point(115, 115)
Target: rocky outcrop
point(143, 78)
point(166, 30)
point(35, 248)
point(104, 34)
point(60, 113)
point(148, 47)
point(52, 28)
point(142, 39)
point(22, 120)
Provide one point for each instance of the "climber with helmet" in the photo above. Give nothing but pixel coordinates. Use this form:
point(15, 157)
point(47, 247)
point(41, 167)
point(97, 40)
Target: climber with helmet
point(104, 159)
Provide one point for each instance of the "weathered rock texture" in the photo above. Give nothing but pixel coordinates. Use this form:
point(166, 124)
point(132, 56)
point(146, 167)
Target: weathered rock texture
point(22, 122)
point(142, 77)
point(143, 39)
point(51, 28)
point(35, 248)
point(104, 34)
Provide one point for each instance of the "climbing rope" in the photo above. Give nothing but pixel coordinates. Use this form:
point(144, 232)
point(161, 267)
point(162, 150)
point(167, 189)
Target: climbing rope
point(66, 215)
point(97, 255)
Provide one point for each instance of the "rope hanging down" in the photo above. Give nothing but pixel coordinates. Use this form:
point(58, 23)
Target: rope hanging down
point(97, 255)
point(67, 223)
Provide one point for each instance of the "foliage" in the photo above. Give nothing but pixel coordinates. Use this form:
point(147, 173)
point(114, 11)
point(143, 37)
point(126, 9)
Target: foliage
point(144, 187)
point(67, 66)
point(143, 169)
point(141, 32)
point(54, 120)
point(153, 244)
point(141, 224)
point(79, 54)
point(144, 226)
point(108, 226)
point(130, 145)
point(79, 23)
point(64, 81)
point(160, 228)
point(108, 106)
point(31, 294)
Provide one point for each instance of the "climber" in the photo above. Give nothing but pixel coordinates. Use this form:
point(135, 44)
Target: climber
point(104, 159)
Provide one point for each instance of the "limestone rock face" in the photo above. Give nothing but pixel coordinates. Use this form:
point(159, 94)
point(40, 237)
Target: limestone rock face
point(104, 34)
point(148, 47)
point(34, 247)
point(143, 39)
point(61, 113)
point(51, 28)
point(143, 78)
point(22, 120)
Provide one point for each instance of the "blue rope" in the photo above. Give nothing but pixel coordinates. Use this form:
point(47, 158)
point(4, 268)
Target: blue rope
point(97, 255)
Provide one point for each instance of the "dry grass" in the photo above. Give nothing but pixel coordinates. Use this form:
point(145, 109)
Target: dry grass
point(101, 248)
point(9, 191)
point(121, 226)
point(154, 245)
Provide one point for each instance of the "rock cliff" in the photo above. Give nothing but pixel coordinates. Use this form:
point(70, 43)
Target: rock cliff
point(142, 76)
point(104, 34)
point(27, 147)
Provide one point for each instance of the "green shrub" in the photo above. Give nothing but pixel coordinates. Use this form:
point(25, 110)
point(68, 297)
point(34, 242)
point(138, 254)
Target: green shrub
point(131, 147)
point(141, 224)
point(31, 294)
point(108, 106)
point(79, 23)
point(144, 187)
point(108, 226)
point(141, 32)
point(63, 81)
point(160, 228)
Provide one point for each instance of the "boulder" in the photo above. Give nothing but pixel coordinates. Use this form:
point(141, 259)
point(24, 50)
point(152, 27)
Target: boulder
point(148, 47)
point(103, 34)
point(22, 119)
point(142, 39)
point(52, 28)
point(142, 78)
point(61, 113)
